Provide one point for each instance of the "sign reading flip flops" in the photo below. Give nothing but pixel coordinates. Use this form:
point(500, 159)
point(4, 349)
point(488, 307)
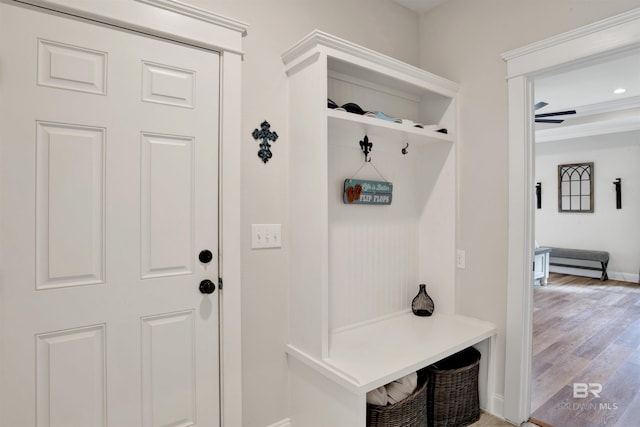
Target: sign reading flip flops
point(363, 192)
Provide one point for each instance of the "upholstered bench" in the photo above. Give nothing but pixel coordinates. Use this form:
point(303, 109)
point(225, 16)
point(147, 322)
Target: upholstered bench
point(583, 255)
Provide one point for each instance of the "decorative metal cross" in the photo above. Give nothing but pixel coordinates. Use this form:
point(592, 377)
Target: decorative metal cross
point(266, 135)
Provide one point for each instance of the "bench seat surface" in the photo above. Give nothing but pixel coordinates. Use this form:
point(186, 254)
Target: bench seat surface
point(583, 254)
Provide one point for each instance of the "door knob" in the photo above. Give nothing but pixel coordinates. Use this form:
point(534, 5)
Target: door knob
point(205, 256)
point(207, 287)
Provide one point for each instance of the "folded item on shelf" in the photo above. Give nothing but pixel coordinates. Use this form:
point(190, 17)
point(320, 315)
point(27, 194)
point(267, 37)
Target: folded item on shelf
point(383, 116)
point(402, 388)
point(378, 396)
point(331, 104)
point(395, 391)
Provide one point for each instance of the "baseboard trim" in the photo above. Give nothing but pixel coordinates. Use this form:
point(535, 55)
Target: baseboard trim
point(497, 405)
point(284, 423)
point(613, 275)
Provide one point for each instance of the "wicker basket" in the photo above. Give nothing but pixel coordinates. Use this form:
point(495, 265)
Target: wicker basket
point(409, 412)
point(452, 392)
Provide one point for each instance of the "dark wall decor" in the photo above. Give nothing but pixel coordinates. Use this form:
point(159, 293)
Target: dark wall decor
point(364, 191)
point(266, 135)
point(539, 195)
point(366, 146)
point(575, 187)
point(618, 184)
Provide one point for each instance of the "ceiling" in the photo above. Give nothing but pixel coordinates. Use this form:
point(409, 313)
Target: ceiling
point(419, 6)
point(588, 89)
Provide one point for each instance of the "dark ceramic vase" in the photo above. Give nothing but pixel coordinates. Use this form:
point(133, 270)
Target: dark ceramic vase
point(422, 304)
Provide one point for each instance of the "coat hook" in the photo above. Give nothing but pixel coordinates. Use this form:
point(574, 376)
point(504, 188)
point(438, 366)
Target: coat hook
point(539, 195)
point(404, 150)
point(366, 147)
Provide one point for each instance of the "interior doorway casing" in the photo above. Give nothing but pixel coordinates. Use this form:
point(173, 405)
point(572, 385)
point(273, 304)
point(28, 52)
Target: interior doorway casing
point(178, 21)
point(585, 44)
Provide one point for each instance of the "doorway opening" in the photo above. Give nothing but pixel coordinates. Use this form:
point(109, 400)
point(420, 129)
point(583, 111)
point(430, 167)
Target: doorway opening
point(575, 48)
point(584, 326)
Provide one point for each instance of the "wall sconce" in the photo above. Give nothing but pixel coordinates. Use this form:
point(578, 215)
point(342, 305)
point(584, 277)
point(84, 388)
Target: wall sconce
point(539, 195)
point(618, 184)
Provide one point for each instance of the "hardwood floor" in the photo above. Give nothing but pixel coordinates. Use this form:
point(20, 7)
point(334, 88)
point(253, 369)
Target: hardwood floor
point(586, 331)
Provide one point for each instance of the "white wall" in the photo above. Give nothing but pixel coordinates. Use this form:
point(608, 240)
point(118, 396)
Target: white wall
point(462, 40)
point(607, 228)
point(274, 26)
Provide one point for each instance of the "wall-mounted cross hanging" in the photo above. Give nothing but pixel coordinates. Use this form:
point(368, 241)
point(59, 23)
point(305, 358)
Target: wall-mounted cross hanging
point(266, 135)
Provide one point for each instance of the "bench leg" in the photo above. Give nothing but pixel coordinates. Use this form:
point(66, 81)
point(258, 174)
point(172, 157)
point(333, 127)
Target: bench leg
point(604, 276)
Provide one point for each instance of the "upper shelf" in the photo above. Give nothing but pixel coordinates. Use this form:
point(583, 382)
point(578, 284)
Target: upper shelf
point(394, 347)
point(351, 59)
point(375, 127)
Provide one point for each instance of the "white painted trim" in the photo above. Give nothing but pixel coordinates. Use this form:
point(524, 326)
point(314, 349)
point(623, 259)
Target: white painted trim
point(198, 13)
point(163, 18)
point(498, 406)
point(519, 273)
point(608, 106)
point(590, 129)
point(600, 38)
point(284, 423)
point(319, 38)
point(230, 238)
point(579, 46)
point(174, 20)
point(606, 24)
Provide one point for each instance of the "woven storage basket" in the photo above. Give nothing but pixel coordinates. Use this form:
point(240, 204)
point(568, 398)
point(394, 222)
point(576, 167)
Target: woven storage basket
point(452, 392)
point(409, 412)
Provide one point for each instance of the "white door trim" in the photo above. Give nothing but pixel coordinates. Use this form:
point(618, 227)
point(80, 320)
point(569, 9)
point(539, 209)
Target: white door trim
point(174, 20)
point(584, 44)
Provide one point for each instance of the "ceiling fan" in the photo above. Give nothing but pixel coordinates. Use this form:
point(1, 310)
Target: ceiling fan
point(539, 117)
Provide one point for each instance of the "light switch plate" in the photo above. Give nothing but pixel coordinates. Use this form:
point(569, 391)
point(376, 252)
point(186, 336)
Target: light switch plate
point(265, 236)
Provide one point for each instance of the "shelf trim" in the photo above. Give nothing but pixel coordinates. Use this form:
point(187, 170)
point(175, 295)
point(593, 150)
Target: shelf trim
point(335, 368)
point(426, 135)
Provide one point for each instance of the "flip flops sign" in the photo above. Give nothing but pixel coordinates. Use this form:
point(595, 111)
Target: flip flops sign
point(364, 192)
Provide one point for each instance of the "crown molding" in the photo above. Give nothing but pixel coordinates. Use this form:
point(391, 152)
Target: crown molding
point(170, 19)
point(317, 40)
point(616, 34)
point(605, 24)
point(191, 11)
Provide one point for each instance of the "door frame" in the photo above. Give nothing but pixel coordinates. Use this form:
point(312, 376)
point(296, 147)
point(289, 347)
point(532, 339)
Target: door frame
point(589, 43)
point(174, 20)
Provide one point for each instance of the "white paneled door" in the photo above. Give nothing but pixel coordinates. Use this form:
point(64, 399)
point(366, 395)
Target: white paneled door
point(109, 180)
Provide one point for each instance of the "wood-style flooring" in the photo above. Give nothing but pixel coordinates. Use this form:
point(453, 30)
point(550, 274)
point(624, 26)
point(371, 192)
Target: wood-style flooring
point(586, 331)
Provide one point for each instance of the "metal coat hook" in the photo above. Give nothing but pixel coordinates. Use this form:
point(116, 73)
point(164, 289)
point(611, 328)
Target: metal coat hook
point(366, 147)
point(404, 150)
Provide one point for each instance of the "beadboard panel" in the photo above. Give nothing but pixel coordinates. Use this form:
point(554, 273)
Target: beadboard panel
point(373, 270)
point(373, 250)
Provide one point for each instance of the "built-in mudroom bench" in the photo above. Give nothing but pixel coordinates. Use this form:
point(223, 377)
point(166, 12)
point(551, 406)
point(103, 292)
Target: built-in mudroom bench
point(373, 209)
